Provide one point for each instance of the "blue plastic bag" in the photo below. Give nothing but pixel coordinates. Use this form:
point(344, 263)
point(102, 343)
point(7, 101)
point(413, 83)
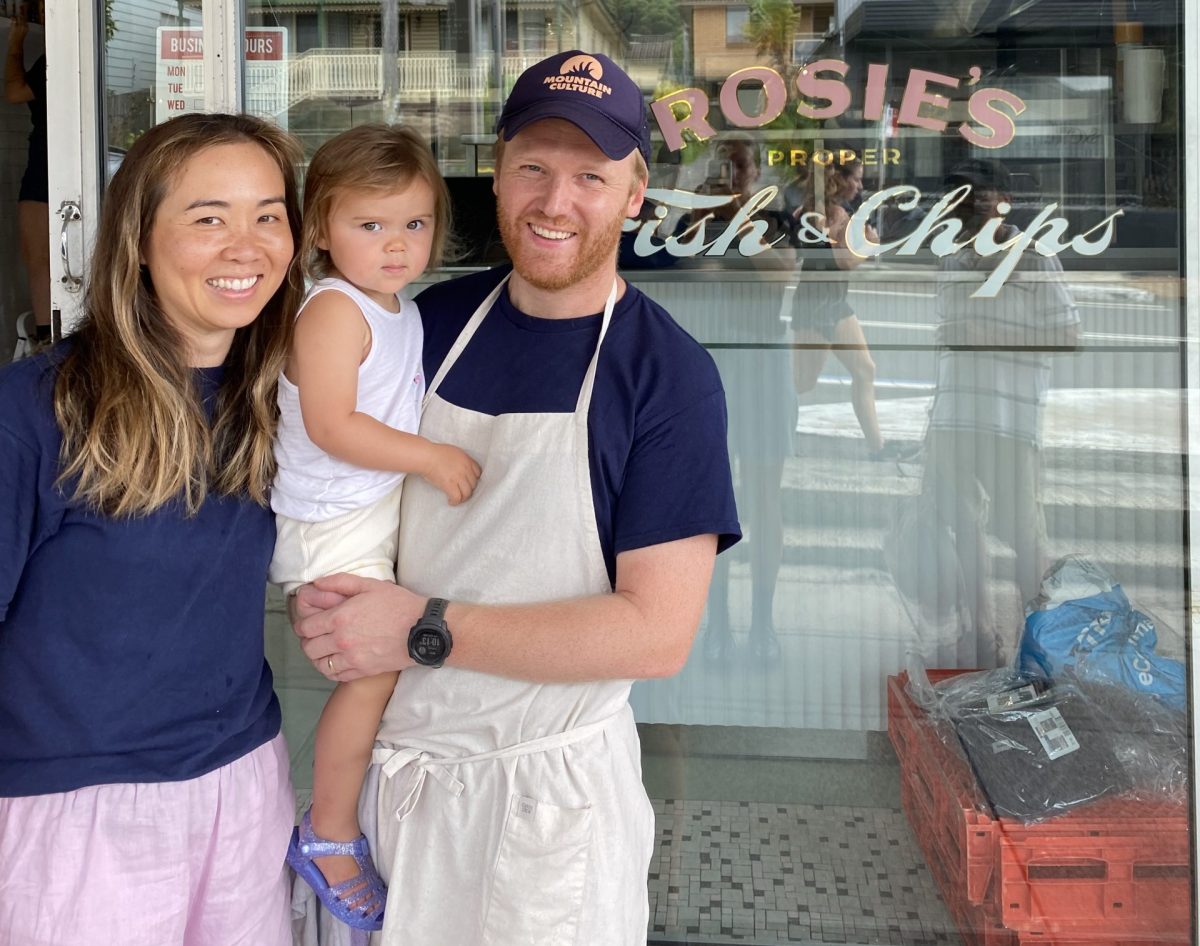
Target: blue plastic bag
point(1099, 637)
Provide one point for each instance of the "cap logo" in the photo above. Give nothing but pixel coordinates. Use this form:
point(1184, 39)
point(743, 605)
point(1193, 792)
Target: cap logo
point(582, 66)
point(579, 74)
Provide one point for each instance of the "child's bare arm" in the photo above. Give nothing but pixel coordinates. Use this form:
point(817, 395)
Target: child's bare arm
point(331, 340)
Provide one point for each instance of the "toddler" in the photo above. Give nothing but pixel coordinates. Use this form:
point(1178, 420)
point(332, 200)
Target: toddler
point(376, 216)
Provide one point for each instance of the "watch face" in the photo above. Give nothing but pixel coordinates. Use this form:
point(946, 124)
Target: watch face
point(428, 645)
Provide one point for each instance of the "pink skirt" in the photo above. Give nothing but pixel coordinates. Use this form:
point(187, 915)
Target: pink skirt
point(194, 863)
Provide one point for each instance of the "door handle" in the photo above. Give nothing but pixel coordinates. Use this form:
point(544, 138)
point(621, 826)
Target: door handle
point(69, 212)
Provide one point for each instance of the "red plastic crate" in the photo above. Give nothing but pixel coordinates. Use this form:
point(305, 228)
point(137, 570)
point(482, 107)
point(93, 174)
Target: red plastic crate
point(978, 924)
point(1113, 872)
point(1091, 939)
point(944, 798)
point(1116, 864)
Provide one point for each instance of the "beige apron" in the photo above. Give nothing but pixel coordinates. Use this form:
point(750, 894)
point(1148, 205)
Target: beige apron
point(510, 812)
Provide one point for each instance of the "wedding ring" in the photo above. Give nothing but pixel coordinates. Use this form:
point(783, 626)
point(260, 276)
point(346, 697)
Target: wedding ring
point(329, 663)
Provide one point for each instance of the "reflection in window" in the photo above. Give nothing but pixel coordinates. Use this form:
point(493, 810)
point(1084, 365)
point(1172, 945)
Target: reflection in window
point(512, 32)
point(736, 21)
point(891, 520)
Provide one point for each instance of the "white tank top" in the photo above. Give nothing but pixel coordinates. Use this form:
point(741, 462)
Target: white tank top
point(312, 486)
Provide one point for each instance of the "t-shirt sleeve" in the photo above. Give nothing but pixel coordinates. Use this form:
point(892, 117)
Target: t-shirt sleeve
point(18, 509)
point(677, 482)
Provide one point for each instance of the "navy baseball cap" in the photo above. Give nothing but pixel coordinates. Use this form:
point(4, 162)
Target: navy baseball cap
point(591, 92)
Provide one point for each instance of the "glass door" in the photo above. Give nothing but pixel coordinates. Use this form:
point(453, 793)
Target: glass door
point(115, 69)
point(49, 89)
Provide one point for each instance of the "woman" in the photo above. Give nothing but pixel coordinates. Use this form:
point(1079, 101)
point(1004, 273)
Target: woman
point(761, 405)
point(821, 314)
point(144, 792)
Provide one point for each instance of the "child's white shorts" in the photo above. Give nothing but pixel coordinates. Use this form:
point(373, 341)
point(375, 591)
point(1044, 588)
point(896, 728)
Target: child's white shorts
point(362, 541)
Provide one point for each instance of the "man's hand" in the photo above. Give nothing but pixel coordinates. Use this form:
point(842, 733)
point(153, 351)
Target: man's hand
point(351, 627)
point(452, 471)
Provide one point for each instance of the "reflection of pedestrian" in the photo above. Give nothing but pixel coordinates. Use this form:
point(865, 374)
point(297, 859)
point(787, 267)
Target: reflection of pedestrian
point(993, 373)
point(33, 208)
point(762, 412)
point(822, 317)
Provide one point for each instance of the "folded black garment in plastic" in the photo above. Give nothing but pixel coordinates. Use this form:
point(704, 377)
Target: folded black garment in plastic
point(1149, 738)
point(1039, 751)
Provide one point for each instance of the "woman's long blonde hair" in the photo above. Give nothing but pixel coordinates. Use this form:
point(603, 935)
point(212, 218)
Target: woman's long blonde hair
point(135, 434)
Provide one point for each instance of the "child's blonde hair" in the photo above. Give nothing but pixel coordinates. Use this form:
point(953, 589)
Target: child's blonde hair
point(374, 157)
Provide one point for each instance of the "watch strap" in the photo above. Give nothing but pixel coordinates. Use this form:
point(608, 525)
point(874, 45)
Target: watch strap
point(432, 623)
point(435, 610)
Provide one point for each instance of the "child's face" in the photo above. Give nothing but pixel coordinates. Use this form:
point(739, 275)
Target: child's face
point(380, 241)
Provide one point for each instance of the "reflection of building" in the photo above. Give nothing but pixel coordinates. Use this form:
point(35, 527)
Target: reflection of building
point(450, 55)
point(721, 36)
point(1090, 137)
point(445, 51)
point(649, 59)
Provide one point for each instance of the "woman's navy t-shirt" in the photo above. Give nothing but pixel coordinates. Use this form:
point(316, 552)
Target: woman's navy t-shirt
point(131, 650)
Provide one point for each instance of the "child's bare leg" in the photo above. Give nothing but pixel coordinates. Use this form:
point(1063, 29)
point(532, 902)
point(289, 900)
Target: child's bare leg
point(342, 751)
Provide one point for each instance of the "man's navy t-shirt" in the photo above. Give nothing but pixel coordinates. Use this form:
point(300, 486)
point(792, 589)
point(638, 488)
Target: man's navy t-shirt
point(657, 422)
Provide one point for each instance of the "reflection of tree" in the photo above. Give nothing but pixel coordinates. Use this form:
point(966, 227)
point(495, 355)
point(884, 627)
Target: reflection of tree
point(659, 17)
point(772, 29)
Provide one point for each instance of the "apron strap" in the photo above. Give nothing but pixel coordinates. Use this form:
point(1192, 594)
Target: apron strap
point(464, 337)
point(420, 763)
point(589, 379)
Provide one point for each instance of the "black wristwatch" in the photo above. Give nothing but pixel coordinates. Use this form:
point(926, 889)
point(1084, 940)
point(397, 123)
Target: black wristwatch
point(429, 640)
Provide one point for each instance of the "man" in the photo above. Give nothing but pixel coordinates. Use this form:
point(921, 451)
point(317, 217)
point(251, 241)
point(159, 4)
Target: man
point(510, 804)
point(993, 375)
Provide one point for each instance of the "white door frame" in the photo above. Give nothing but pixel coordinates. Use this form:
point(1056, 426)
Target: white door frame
point(1190, 172)
point(73, 143)
point(223, 62)
point(74, 93)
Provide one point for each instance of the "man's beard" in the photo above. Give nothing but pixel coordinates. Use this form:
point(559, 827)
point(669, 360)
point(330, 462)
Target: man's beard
point(595, 250)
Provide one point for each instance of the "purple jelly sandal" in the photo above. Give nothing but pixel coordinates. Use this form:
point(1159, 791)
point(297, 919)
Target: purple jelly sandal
point(357, 902)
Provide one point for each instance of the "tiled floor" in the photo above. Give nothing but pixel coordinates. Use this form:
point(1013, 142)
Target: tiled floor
point(747, 872)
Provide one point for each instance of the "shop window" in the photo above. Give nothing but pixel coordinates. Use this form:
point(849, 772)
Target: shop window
point(306, 36)
point(916, 435)
point(512, 34)
point(534, 31)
